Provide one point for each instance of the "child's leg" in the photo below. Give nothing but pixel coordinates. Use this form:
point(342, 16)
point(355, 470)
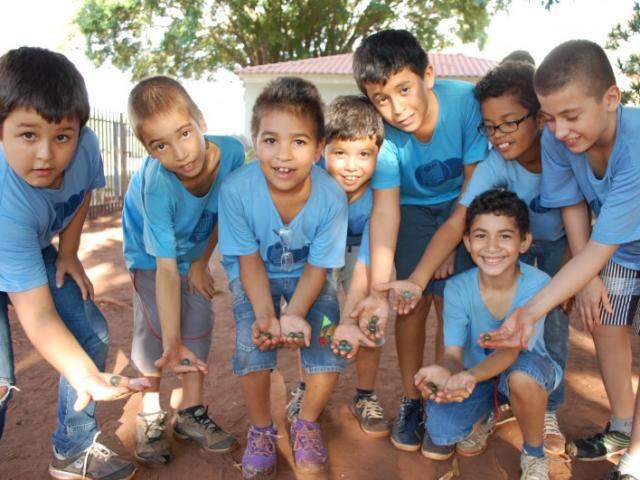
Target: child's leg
point(317, 393)
point(367, 363)
point(256, 388)
point(528, 400)
point(410, 332)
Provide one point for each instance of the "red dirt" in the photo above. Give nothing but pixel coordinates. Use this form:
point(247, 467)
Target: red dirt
point(25, 449)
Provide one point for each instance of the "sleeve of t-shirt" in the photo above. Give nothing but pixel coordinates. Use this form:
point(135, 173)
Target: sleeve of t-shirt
point(235, 236)
point(485, 177)
point(619, 219)
point(22, 267)
point(238, 155)
point(363, 252)
point(456, 318)
point(159, 210)
point(328, 247)
point(387, 173)
point(96, 172)
point(474, 144)
point(558, 186)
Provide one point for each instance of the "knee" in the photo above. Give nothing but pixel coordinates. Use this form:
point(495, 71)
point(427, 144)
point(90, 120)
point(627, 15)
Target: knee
point(523, 386)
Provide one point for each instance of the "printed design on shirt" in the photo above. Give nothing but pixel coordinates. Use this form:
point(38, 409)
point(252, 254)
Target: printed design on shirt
point(275, 252)
point(66, 209)
point(595, 205)
point(435, 173)
point(326, 331)
point(536, 207)
point(205, 225)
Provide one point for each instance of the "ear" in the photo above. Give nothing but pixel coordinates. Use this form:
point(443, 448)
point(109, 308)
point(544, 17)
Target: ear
point(429, 76)
point(467, 243)
point(540, 120)
point(202, 123)
point(526, 242)
point(612, 98)
point(321, 144)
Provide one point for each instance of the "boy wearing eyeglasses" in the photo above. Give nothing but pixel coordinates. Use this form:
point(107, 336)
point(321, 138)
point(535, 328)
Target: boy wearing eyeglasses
point(283, 224)
point(511, 122)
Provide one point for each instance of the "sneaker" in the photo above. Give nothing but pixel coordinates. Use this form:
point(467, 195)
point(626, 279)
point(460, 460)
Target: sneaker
point(96, 463)
point(309, 452)
point(476, 442)
point(370, 416)
point(553, 441)
point(614, 474)
point(260, 459)
point(408, 427)
point(534, 468)
point(152, 448)
point(504, 414)
point(194, 424)
point(295, 404)
point(599, 447)
point(435, 452)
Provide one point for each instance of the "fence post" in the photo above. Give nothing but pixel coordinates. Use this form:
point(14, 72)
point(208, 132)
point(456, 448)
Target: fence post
point(124, 177)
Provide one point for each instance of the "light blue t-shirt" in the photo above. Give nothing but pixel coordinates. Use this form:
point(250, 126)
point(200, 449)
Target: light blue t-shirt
point(30, 216)
point(495, 171)
point(567, 179)
point(161, 218)
point(359, 213)
point(432, 172)
point(250, 222)
point(466, 317)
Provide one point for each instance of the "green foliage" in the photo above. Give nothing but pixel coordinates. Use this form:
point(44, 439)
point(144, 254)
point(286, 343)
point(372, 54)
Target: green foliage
point(630, 66)
point(192, 38)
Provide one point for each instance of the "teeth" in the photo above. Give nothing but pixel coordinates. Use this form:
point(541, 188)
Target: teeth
point(502, 146)
point(351, 178)
point(283, 170)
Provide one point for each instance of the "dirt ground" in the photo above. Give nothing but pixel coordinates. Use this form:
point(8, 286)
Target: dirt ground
point(25, 449)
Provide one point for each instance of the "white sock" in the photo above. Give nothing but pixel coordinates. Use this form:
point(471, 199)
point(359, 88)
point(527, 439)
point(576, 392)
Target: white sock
point(623, 425)
point(151, 402)
point(630, 465)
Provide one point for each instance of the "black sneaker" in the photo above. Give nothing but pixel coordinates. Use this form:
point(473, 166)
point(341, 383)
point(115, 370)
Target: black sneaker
point(408, 427)
point(436, 452)
point(95, 463)
point(599, 447)
point(614, 474)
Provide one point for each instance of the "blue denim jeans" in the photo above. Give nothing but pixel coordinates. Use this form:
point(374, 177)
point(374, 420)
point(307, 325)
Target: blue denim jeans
point(449, 423)
point(74, 430)
point(317, 358)
point(547, 255)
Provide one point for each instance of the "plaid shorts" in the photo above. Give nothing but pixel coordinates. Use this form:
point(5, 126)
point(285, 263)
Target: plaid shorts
point(623, 286)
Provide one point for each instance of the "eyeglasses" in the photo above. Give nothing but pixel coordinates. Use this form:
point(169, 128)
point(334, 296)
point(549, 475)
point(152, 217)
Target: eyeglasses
point(285, 235)
point(504, 127)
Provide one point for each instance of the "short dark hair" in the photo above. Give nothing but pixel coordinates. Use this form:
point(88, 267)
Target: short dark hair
point(157, 95)
point(519, 56)
point(353, 117)
point(294, 95)
point(385, 53)
point(499, 201)
point(509, 78)
point(45, 81)
point(575, 60)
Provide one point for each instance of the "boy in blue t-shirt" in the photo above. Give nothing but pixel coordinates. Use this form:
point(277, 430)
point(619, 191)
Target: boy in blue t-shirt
point(430, 149)
point(169, 222)
point(590, 156)
point(49, 163)
point(461, 387)
point(278, 242)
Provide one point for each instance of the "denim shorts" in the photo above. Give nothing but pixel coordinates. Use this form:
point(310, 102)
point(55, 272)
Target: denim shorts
point(449, 423)
point(317, 358)
point(418, 225)
point(196, 322)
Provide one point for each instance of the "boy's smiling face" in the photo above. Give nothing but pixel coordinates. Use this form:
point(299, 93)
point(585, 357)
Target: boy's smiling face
point(495, 243)
point(351, 163)
point(402, 101)
point(38, 150)
point(577, 119)
point(287, 146)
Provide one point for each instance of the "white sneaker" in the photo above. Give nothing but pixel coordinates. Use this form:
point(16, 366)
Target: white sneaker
point(554, 441)
point(534, 468)
point(476, 442)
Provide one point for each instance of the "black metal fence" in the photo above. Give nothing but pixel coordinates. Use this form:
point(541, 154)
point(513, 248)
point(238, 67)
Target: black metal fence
point(122, 154)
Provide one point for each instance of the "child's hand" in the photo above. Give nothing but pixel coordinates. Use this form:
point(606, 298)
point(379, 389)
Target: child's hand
point(179, 359)
point(514, 332)
point(266, 333)
point(70, 264)
point(351, 336)
point(199, 279)
point(588, 302)
point(296, 331)
point(446, 268)
point(106, 386)
point(431, 380)
point(404, 295)
point(372, 314)
point(458, 387)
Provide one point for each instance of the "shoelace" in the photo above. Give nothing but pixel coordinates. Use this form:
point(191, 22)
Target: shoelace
point(206, 421)
point(97, 450)
point(370, 407)
point(296, 400)
point(155, 427)
point(405, 409)
point(551, 426)
point(535, 466)
point(261, 443)
point(309, 439)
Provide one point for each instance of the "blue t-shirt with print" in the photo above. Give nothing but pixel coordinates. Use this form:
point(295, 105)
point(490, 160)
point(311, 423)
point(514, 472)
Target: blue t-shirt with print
point(30, 216)
point(495, 172)
point(567, 178)
point(250, 222)
point(161, 218)
point(432, 172)
point(466, 316)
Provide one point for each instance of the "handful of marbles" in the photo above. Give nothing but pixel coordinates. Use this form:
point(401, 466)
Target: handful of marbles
point(267, 335)
point(299, 335)
point(486, 337)
point(373, 325)
point(407, 295)
point(344, 346)
point(433, 387)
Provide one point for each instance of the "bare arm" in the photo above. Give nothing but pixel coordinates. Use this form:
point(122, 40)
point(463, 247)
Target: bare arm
point(385, 222)
point(168, 301)
point(576, 225)
point(199, 278)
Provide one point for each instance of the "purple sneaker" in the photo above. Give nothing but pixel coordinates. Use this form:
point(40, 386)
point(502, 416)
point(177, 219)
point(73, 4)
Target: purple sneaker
point(260, 458)
point(309, 452)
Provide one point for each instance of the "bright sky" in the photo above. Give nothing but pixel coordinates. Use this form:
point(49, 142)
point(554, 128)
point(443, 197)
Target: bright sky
point(526, 26)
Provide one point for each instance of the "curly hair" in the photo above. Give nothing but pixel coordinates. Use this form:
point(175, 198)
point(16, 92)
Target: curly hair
point(510, 78)
point(499, 201)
